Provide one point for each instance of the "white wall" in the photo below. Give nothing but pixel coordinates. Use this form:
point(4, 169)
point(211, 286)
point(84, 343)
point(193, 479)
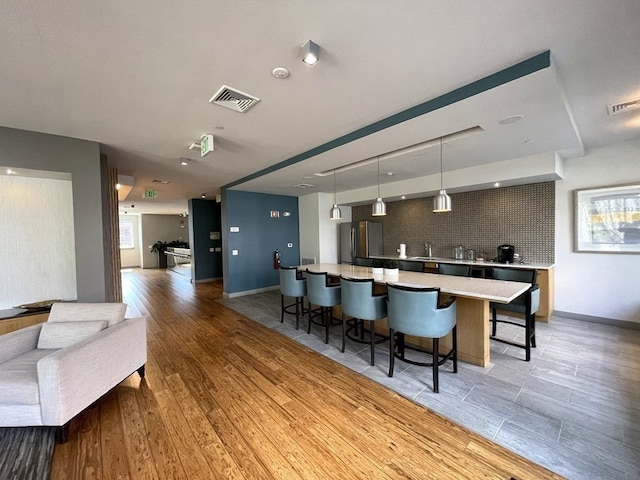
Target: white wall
point(163, 228)
point(131, 257)
point(596, 284)
point(319, 235)
point(37, 256)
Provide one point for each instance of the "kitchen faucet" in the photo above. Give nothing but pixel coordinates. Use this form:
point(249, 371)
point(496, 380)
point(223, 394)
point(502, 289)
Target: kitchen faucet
point(427, 247)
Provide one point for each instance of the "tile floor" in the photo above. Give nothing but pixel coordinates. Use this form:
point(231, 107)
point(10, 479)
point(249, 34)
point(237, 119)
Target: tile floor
point(574, 408)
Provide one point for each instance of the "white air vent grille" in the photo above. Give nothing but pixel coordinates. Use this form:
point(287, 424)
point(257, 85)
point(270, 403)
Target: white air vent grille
point(304, 185)
point(623, 107)
point(234, 99)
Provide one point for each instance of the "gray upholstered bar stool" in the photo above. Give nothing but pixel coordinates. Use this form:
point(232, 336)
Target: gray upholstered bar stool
point(364, 262)
point(411, 266)
point(361, 303)
point(416, 312)
point(526, 304)
point(292, 285)
point(324, 295)
point(459, 270)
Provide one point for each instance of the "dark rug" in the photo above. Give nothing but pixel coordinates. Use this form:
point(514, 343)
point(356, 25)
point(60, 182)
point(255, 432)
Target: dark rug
point(26, 453)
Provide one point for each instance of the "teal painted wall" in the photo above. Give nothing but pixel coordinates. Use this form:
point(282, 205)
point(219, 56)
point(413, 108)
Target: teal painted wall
point(204, 218)
point(259, 235)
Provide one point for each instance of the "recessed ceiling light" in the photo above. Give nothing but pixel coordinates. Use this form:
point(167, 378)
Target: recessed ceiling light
point(403, 197)
point(164, 182)
point(303, 185)
point(497, 184)
point(280, 72)
point(511, 119)
point(390, 174)
point(10, 172)
point(184, 162)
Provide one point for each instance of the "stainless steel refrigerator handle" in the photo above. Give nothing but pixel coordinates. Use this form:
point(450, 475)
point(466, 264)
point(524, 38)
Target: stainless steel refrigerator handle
point(353, 244)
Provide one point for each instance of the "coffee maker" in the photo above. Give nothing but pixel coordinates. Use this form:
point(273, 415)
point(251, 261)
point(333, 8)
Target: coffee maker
point(505, 254)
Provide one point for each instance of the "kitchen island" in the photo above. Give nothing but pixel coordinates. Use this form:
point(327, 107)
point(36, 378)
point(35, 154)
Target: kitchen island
point(482, 268)
point(472, 310)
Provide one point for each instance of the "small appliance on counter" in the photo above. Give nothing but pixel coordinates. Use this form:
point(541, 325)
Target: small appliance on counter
point(505, 254)
point(458, 252)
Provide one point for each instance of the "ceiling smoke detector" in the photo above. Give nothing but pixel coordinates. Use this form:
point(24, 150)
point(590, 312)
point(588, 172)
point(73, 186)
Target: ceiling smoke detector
point(233, 99)
point(280, 72)
point(623, 107)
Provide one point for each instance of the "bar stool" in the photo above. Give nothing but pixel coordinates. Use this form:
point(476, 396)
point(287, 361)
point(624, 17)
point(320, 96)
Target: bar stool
point(415, 311)
point(324, 295)
point(458, 270)
point(292, 285)
point(527, 304)
point(361, 303)
point(410, 266)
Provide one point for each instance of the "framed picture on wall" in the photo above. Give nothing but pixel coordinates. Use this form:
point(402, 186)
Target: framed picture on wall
point(607, 219)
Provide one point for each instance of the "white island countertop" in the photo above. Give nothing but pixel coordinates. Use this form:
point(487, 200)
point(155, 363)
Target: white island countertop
point(479, 263)
point(501, 291)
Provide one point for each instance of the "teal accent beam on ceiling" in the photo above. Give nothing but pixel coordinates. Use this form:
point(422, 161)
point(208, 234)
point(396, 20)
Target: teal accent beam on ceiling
point(526, 67)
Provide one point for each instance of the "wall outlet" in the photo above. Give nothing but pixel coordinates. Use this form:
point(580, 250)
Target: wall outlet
point(211, 249)
point(234, 252)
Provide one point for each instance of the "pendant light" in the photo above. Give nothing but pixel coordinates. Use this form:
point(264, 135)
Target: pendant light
point(335, 213)
point(378, 208)
point(441, 202)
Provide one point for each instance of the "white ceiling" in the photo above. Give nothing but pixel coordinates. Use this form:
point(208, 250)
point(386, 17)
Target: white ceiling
point(137, 76)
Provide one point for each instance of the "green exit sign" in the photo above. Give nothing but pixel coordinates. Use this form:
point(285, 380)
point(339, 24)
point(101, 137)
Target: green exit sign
point(151, 193)
point(206, 144)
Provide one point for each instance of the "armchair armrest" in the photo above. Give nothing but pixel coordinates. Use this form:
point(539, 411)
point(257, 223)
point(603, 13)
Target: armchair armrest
point(74, 377)
point(21, 341)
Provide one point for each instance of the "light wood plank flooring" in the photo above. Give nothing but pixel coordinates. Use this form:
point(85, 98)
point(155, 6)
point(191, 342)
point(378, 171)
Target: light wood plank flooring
point(226, 397)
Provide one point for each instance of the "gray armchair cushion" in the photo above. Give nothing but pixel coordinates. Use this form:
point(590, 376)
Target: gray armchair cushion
point(64, 334)
point(87, 312)
point(19, 379)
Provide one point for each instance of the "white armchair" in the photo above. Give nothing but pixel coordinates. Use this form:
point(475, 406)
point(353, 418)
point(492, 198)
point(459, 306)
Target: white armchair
point(51, 372)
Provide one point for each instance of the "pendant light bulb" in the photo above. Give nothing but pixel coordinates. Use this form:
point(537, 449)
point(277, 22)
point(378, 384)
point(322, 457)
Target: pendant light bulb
point(335, 213)
point(378, 208)
point(442, 201)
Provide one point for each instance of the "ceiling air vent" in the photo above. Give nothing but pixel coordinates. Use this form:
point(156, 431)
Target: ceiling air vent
point(304, 185)
point(234, 99)
point(623, 107)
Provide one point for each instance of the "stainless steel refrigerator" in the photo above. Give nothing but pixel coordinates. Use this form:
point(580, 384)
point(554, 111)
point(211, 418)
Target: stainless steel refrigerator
point(360, 239)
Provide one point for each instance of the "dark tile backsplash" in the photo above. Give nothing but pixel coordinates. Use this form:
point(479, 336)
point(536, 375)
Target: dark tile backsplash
point(523, 216)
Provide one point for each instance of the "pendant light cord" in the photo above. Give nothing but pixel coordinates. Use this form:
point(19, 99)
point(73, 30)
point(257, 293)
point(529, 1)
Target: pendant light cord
point(334, 187)
point(441, 174)
point(378, 176)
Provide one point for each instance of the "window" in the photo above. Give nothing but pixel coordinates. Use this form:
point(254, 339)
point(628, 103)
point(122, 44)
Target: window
point(126, 235)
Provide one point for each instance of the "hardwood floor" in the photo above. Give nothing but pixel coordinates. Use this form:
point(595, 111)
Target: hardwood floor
point(225, 397)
